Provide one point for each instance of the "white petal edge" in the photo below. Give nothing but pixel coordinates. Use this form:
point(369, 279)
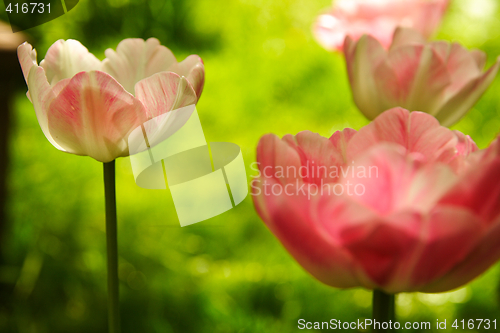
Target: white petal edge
point(65, 58)
point(41, 96)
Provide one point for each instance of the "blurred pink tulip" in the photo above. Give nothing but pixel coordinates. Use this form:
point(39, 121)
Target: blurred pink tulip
point(87, 107)
point(402, 205)
point(378, 18)
point(439, 78)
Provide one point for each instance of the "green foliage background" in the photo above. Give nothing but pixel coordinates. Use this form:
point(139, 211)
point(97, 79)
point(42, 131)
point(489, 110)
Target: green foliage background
point(264, 73)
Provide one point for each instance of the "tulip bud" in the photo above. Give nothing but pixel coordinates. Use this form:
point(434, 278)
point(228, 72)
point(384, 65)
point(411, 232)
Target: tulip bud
point(439, 78)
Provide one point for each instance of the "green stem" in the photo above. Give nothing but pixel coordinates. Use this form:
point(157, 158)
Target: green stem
point(383, 311)
point(112, 247)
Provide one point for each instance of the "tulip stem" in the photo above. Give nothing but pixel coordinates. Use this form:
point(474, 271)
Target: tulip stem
point(112, 247)
point(383, 311)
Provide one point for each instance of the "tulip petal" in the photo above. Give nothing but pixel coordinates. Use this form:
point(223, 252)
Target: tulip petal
point(417, 132)
point(456, 107)
point(340, 139)
point(41, 95)
point(430, 81)
point(349, 51)
point(463, 67)
point(447, 237)
point(318, 156)
point(442, 49)
point(329, 33)
point(378, 18)
point(193, 69)
point(405, 36)
point(277, 159)
point(27, 58)
point(464, 159)
point(407, 250)
point(395, 75)
point(428, 18)
point(368, 54)
point(136, 59)
point(381, 247)
point(164, 92)
point(93, 116)
point(413, 76)
point(396, 249)
point(291, 220)
point(466, 145)
point(380, 179)
point(66, 58)
point(387, 180)
point(480, 58)
point(485, 253)
point(479, 189)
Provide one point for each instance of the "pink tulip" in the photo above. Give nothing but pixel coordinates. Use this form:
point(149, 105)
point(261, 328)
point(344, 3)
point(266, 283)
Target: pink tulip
point(402, 205)
point(439, 78)
point(378, 18)
point(88, 107)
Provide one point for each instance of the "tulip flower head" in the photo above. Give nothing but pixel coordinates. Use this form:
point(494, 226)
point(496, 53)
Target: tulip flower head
point(378, 18)
point(88, 107)
point(439, 78)
point(404, 204)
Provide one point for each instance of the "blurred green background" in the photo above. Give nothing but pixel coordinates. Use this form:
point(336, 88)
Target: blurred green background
point(264, 73)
